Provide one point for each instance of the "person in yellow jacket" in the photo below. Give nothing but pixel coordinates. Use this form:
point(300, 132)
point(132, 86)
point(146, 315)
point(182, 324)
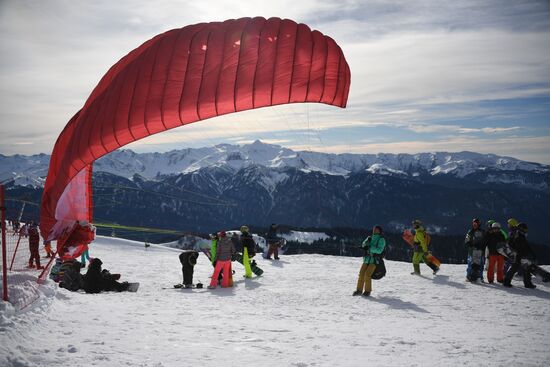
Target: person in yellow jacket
point(420, 248)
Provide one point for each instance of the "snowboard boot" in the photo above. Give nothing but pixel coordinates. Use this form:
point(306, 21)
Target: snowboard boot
point(188, 286)
point(366, 294)
point(356, 293)
point(531, 286)
point(416, 269)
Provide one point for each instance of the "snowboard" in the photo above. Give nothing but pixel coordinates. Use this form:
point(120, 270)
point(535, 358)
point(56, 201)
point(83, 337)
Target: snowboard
point(432, 259)
point(133, 287)
point(253, 266)
point(199, 285)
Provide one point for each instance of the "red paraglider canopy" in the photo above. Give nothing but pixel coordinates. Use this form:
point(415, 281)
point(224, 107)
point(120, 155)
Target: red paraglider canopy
point(183, 76)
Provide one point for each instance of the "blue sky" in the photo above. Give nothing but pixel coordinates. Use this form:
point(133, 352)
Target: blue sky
point(426, 75)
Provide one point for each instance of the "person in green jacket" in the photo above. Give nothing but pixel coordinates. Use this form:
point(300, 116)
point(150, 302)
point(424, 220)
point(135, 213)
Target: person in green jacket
point(373, 246)
point(420, 248)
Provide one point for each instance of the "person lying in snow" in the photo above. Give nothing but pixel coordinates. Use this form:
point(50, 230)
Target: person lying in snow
point(97, 280)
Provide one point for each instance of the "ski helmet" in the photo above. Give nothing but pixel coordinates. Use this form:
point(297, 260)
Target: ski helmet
point(513, 222)
point(244, 229)
point(495, 225)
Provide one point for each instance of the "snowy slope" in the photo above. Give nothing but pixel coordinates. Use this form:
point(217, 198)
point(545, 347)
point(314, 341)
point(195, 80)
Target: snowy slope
point(300, 313)
point(31, 169)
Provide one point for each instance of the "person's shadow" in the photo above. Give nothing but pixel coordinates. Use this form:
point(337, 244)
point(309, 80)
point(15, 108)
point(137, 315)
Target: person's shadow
point(519, 290)
point(278, 263)
point(444, 280)
point(398, 304)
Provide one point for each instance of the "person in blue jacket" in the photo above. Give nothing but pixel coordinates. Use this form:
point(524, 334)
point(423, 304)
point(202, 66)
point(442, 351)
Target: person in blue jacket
point(373, 246)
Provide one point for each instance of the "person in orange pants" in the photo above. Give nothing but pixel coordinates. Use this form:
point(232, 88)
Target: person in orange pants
point(224, 253)
point(48, 248)
point(495, 241)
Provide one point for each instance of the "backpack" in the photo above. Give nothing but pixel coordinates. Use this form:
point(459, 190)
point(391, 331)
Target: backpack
point(380, 271)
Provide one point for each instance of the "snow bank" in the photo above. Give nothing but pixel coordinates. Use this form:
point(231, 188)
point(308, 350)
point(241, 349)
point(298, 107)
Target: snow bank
point(304, 237)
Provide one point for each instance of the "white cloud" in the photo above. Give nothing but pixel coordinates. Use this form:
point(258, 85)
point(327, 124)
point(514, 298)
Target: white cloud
point(414, 64)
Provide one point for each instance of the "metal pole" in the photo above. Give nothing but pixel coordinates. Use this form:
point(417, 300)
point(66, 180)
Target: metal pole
point(15, 252)
point(4, 262)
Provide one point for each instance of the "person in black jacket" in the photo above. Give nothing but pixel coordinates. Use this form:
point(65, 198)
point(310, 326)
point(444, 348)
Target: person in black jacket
point(72, 279)
point(93, 280)
point(475, 242)
point(188, 259)
point(249, 250)
point(523, 251)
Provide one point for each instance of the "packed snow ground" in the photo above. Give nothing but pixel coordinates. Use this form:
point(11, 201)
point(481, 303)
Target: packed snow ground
point(300, 313)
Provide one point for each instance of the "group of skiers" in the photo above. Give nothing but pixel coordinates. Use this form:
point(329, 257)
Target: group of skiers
point(224, 249)
point(508, 252)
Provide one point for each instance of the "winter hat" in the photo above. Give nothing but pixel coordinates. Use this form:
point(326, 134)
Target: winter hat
point(244, 229)
point(221, 234)
point(476, 220)
point(513, 222)
point(495, 225)
point(417, 222)
point(490, 222)
point(379, 228)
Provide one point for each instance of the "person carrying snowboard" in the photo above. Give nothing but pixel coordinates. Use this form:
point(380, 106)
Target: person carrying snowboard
point(495, 242)
point(524, 257)
point(249, 250)
point(420, 248)
point(224, 254)
point(475, 242)
point(373, 246)
point(34, 243)
point(273, 242)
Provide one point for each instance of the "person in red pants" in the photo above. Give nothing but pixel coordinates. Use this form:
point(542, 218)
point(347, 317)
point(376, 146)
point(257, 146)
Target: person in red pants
point(224, 253)
point(34, 242)
point(495, 241)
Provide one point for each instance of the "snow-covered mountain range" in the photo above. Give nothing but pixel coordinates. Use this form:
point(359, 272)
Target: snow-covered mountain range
point(31, 170)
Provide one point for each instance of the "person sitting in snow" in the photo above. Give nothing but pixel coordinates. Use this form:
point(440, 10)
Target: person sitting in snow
point(249, 250)
point(373, 246)
point(523, 258)
point(224, 255)
point(72, 279)
point(97, 280)
point(475, 241)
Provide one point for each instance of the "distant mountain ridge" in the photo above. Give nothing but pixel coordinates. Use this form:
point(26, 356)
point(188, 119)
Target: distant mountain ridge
point(225, 186)
point(31, 170)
